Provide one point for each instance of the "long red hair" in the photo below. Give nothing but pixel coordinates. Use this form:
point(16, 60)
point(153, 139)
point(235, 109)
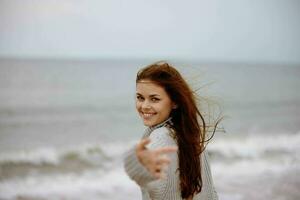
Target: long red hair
point(188, 123)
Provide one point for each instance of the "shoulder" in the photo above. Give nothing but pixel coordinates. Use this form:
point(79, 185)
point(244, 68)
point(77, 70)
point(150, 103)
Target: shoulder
point(161, 137)
point(161, 133)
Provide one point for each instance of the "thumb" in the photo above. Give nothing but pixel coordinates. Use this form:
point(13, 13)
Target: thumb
point(142, 144)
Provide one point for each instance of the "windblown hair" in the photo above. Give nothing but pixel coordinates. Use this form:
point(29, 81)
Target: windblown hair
point(188, 123)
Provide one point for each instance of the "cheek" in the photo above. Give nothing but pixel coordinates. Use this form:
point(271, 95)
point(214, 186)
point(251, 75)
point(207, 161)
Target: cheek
point(137, 105)
point(168, 107)
point(165, 108)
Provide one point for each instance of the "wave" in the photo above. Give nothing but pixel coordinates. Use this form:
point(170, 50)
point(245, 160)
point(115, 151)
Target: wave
point(86, 171)
point(254, 146)
point(232, 147)
point(74, 159)
point(94, 171)
point(263, 148)
point(89, 185)
point(254, 155)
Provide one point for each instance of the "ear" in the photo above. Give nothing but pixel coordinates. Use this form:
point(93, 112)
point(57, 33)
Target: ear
point(174, 106)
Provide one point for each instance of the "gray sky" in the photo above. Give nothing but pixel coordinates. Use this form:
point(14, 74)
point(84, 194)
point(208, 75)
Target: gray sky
point(212, 30)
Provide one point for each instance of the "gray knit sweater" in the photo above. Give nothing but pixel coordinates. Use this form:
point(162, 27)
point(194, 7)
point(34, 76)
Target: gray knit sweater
point(168, 188)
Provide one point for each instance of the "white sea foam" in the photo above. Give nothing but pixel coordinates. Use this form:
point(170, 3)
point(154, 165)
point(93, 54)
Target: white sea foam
point(256, 145)
point(240, 158)
point(36, 156)
point(255, 155)
point(52, 155)
point(248, 153)
point(246, 147)
point(92, 184)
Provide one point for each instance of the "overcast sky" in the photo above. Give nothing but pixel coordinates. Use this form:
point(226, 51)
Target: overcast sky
point(211, 30)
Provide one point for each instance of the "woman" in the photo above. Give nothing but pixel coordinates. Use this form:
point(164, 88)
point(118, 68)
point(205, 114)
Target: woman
point(168, 108)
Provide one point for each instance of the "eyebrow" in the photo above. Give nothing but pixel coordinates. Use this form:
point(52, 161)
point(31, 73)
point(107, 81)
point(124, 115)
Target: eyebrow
point(151, 95)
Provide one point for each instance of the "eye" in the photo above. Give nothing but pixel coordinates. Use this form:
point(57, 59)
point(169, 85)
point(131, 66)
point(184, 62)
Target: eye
point(154, 99)
point(139, 98)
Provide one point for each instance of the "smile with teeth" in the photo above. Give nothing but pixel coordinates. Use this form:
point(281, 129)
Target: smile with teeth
point(147, 115)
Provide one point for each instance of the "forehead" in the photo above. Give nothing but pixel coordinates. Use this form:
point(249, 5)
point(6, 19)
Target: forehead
point(149, 87)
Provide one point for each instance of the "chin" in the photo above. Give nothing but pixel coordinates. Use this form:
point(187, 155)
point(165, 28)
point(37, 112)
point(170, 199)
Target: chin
point(147, 123)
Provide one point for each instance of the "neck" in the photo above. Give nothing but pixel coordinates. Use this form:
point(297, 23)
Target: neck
point(169, 120)
point(152, 128)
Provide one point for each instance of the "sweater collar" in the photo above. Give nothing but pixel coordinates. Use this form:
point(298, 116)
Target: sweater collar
point(149, 130)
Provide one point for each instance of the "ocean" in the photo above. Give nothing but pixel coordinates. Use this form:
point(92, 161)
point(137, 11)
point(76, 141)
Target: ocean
point(65, 125)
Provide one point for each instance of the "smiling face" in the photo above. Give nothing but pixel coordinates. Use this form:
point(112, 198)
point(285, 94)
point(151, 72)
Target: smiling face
point(152, 103)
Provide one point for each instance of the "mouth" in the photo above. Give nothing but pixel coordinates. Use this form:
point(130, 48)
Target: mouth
point(147, 115)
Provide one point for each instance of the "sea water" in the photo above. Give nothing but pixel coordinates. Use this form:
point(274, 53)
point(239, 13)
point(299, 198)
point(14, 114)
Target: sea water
point(65, 125)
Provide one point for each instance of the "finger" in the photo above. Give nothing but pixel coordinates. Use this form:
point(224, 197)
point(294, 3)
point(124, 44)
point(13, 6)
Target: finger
point(141, 145)
point(165, 150)
point(163, 175)
point(163, 160)
point(157, 174)
point(163, 167)
point(160, 175)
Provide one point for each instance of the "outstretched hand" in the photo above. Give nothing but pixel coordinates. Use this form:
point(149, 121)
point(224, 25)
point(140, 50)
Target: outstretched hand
point(155, 160)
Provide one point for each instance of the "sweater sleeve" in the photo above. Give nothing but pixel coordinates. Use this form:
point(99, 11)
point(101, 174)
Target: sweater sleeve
point(135, 170)
point(167, 188)
point(208, 187)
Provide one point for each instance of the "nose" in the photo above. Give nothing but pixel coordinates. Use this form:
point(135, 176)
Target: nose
point(146, 105)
